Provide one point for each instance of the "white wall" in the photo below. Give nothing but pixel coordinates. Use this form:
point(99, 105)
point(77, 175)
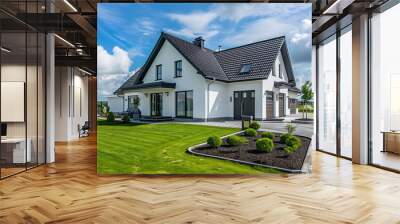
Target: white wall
point(71, 87)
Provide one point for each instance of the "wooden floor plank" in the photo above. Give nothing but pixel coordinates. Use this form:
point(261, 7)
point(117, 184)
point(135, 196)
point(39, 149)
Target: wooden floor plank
point(69, 191)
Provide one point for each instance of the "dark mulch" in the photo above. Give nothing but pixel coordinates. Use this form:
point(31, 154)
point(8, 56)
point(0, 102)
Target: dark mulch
point(249, 153)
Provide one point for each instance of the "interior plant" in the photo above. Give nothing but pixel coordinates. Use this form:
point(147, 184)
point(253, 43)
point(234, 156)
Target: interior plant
point(264, 144)
point(250, 132)
point(269, 135)
point(255, 125)
point(110, 117)
point(234, 140)
point(214, 141)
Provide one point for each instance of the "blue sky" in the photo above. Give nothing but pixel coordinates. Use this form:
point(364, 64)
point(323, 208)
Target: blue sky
point(127, 32)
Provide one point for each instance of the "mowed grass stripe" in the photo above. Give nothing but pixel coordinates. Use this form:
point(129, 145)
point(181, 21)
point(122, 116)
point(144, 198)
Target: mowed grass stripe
point(161, 149)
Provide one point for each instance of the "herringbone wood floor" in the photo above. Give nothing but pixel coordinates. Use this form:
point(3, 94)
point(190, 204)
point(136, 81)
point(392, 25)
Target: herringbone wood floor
point(69, 191)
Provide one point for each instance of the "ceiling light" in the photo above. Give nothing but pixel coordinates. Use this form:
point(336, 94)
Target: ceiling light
point(70, 5)
point(5, 50)
point(84, 71)
point(64, 40)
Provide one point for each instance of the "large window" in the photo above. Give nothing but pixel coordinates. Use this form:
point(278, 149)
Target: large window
point(327, 95)
point(346, 92)
point(385, 89)
point(184, 104)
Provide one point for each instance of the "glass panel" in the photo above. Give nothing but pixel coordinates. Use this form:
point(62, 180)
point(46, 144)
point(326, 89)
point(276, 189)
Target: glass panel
point(189, 104)
point(13, 80)
point(385, 84)
point(346, 92)
point(327, 95)
point(180, 104)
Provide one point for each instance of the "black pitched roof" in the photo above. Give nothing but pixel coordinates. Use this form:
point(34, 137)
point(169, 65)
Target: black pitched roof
point(130, 82)
point(224, 65)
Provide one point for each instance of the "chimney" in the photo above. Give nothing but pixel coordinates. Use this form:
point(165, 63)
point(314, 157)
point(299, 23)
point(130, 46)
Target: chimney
point(199, 41)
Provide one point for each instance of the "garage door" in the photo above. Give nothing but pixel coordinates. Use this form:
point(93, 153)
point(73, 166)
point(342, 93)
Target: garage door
point(281, 104)
point(270, 104)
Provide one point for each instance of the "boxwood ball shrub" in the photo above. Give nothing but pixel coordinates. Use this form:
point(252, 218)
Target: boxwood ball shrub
point(110, 117)
point(292, 144)
point(269, 135)
point(214, 141)
point(250, 132)
point(234, 140)
point(255, 125)
point(125, 118)
point(284, 137)
point(264, 144)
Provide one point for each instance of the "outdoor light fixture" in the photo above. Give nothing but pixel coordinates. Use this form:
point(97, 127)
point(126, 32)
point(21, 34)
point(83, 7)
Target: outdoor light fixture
point(64, 40)
point(5, 50)
point(70, 5)
point(84, 71)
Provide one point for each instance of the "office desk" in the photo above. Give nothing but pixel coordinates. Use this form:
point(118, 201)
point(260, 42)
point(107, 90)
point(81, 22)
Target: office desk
point(15, 148)
point(391, 141)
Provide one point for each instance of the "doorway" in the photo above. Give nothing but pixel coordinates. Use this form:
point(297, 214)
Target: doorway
point(270, 104)
point(244, 104)
point(156, 104)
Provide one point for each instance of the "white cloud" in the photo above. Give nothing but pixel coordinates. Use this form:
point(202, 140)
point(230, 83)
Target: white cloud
point(112, 69)
point(194, 24)
point(307, 24)
point(297, 37)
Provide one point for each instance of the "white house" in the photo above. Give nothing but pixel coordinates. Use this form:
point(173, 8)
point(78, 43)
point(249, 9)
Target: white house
point(182, 79)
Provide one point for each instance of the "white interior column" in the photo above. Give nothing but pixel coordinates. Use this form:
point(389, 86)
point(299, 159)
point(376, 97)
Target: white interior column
point(360, 90)
point(50, 99)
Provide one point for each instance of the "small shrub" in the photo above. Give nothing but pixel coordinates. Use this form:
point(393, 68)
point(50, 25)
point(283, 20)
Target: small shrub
point(264, 144)
point(290, 128)
point(255, 125)
point(234, 140)
point(269, 135)
point(125, 118)
point(214, 141)
point(284, 137)
point(250, 132)
point(110, 117)
point(292, 144)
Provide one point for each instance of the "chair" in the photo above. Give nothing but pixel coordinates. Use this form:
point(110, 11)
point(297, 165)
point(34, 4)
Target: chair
point(84, 130)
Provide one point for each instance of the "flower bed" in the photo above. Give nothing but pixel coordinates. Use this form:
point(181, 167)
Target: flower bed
point(248, 153)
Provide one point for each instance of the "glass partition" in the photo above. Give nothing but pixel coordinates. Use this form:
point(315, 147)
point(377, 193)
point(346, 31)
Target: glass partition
point(385, 89)
point(327, 95)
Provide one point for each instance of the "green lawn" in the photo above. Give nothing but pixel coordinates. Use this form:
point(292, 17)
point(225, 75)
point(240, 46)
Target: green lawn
point(161, 149)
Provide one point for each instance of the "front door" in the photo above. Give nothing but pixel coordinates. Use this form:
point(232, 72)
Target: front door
point(270, 104)
point(281, 104)
point(244, 104)
point(156, 104)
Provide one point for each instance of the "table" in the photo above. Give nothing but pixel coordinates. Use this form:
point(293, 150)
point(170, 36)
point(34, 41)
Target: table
point(391, 141)
point(19, 155)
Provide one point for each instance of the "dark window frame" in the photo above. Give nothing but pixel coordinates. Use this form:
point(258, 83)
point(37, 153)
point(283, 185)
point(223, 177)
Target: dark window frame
point(178, 70)
point(243, 68)
point(280, 71)
point(159, 72)
point(186, 106)
point(273, 70)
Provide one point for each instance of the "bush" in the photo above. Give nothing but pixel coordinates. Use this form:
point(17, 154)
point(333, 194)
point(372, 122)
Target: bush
point(254, 125)
point(265, 144)
point(292, 144)
point(269, 135)
point(250, 132)
point(214, 141)
point(234, 140)
point(284, 137)
point(110, 117)
point(291, 128)
point(125, 118)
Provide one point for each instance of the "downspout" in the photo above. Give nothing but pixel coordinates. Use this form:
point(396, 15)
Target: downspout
point(208, 97)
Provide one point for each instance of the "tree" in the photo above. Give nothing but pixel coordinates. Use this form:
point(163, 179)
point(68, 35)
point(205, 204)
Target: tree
point(306, 95)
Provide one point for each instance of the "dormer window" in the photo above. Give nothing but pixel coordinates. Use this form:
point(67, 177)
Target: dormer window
point(158, 72)
point(245, 68)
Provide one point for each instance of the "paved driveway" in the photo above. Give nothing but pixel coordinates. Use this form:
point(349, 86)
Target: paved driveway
point(302, 129)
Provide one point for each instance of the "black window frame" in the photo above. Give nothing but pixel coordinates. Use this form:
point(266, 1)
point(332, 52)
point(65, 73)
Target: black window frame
point(273, 70)
point(280, 71)
point(158, 75)
point(242, 68)
point(186, 109)
point(178, 70)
